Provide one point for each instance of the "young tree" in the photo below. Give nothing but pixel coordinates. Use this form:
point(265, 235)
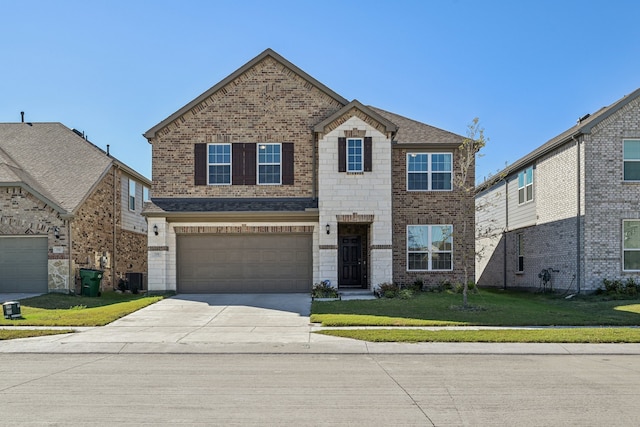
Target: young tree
point(464, 182)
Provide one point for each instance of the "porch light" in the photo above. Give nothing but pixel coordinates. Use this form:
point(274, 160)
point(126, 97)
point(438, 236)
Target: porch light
point(56, 232)
point(328, 227)
point(155, 229)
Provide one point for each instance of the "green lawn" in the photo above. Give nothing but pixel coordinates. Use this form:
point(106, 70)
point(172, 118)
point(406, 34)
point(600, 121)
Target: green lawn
point(487, 308)
point(72, 310)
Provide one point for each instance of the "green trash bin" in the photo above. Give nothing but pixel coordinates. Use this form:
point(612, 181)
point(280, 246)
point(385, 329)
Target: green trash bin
point(90, 280)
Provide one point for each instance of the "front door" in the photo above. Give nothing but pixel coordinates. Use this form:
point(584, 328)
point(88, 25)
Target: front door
point(350, 262)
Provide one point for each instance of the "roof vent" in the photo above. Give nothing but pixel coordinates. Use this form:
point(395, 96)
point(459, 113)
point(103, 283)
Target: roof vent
point(583, 118)
point(22, 115)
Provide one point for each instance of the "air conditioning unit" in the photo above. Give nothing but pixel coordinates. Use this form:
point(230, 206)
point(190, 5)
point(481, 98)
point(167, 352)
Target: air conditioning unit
point(11, 310)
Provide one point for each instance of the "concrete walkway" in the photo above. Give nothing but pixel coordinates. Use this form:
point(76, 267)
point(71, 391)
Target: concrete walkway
point(258, 323)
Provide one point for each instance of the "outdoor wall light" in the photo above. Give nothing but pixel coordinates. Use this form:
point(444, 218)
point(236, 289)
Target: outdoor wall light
point(328, 227)
point(56, 232)
point(155, 229)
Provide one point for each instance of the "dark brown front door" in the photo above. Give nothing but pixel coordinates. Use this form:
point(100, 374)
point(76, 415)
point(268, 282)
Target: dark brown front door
point(350, 262)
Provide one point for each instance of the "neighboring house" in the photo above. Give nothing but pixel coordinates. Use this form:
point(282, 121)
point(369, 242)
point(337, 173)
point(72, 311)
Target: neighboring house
point(65, 205)
point(270, 182)
point(570, 207)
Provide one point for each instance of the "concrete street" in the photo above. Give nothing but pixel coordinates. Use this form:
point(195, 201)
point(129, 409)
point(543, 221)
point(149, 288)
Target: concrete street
point(319, 389)
point(254, 360)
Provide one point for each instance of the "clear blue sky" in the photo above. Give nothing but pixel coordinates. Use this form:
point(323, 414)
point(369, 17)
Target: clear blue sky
point(528, 68)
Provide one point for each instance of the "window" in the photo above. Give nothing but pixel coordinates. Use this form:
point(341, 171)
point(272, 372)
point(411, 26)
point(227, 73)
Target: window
point(132, 195)
point(429, 247)
point(429, 171)
point(354, 155)
point(520, 253)
point(269, 164)
point(631, 159)
point(219, 164)
point(631, 244)
point(145, 194)
point(525, 185)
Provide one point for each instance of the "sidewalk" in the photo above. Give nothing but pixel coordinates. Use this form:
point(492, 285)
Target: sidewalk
point(254, 324)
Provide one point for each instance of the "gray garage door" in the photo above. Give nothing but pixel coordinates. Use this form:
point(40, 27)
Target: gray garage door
point(244, 263)
point(23, 264)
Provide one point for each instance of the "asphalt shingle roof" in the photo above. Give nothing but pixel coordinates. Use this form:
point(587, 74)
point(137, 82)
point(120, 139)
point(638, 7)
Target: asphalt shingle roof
point(410, 130)
point(52, 160)
point(230, 205)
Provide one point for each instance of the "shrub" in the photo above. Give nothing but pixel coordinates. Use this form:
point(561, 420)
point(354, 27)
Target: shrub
point(618, 288)
point(405, 293)
point(388, 290)
point(324, 290)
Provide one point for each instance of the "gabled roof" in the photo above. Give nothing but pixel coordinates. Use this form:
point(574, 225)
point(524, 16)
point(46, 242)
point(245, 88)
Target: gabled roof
point(412, 131)
point(582, 127)
point(150, 134)
point(53, 162)
point(355, 104)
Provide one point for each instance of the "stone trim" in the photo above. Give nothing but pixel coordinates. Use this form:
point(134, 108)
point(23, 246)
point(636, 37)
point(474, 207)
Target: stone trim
point(158, 248)
point(373, 247)
point(355, 133)
point(356, 112)
point(329, 247)
point(244, 229)
point(355, 217)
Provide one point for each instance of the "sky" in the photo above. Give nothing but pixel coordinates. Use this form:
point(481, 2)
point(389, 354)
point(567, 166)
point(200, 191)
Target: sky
point(528, 69)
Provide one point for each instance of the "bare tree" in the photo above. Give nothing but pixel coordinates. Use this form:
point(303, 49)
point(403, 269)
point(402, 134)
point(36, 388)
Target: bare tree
point(464, 181)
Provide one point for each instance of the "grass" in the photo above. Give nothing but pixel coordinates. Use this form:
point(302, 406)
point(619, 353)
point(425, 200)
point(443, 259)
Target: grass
point(10, 334)
point(72, 310)
point(563, 335)
point(487, 308)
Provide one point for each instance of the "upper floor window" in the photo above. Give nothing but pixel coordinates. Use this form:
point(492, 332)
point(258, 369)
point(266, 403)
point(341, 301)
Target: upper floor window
point(429, 171)
point(145, 194)
point(429, 247)
point(631, 245)
point(269, 167)
point(525, 185)
point(132, 195)
point(354, 155)
point(219, 164)
point(631, 159)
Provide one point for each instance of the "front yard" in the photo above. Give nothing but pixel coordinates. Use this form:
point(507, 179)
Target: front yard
point(600, 320)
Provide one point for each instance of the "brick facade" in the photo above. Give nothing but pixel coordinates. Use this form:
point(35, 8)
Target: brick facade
point(580, 201)
point(268, 103)
point(431, 207)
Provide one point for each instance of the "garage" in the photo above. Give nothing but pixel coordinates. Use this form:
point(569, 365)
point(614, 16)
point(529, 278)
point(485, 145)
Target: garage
point(247, 263)
point(23, 264)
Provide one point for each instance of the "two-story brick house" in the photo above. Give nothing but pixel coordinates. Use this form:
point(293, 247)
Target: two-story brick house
point(570, 207)
point(65, 204)
point(270, 182)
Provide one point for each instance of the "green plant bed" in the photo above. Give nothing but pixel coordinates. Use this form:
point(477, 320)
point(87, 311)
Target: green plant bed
point(490, 307)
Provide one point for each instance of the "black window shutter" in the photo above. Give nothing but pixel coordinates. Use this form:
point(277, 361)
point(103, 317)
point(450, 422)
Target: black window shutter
point(250, 162)
point(368, 146)
point(200, 164)
point(342, 154)
point(287, 163)
point(237, 164)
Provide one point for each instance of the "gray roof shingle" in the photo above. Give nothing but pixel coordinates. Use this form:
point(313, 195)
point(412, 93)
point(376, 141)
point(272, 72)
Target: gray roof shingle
point(230, 205)
point(410, 130)
point(52, 160)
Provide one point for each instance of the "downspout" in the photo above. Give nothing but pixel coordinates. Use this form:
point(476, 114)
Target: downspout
point(578, 211)
point(504, 240)
point(113, 256)
point(72, 276)
point(314, 185)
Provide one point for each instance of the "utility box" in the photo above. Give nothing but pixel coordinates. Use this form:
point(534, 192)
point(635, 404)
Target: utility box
point(11, 310)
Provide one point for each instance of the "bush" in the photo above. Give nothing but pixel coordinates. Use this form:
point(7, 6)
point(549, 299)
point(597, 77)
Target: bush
point(405, 293)
point(388, 290)
point(324, 290)
point(471, 286)
point(618, 288)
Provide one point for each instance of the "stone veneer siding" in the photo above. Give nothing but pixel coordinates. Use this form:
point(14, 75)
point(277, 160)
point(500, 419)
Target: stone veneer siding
point(431, 207)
